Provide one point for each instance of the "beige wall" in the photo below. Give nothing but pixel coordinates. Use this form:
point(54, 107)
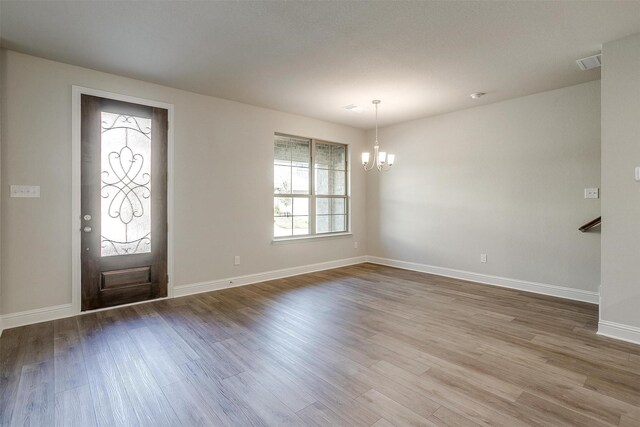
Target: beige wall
point(620, 301)
point(223, 182)
point(506, 179)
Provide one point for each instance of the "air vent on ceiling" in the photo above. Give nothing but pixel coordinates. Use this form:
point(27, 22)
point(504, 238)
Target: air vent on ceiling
point(590, 62)
point(355, 108)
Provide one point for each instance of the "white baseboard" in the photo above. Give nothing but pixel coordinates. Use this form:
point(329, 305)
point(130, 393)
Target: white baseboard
point(37, 315)
point(13, 320)
point(619, 331)
point(522, 285)
point(45, 314)
point(232, 282)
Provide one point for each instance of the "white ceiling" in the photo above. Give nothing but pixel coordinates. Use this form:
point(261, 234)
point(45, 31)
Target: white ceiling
point(313, 58)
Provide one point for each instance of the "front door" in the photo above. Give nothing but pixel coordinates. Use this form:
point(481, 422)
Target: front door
point(124, 202)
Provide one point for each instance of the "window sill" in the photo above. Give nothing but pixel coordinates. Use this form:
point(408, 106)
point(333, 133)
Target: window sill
point(301, 239)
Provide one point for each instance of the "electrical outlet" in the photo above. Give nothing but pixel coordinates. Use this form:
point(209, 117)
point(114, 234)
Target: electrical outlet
point(483, 257)
point(591, 193)
point(355, 245)
point(236, 260)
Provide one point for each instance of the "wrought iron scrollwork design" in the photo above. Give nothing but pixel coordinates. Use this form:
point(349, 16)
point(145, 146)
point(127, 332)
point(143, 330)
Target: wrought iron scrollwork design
point(125, 186)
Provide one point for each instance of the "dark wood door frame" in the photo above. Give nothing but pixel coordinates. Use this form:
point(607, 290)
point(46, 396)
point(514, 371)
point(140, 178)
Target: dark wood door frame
point(77, 92)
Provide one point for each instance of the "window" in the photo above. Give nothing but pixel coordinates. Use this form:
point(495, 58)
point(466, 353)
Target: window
point(310, 187)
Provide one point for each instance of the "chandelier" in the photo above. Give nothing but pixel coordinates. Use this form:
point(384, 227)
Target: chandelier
point(381, 160)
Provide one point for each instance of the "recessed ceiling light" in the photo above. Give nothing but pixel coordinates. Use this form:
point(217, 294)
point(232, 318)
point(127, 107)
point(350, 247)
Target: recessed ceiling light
point(477, 95)
point(355, 108)
point(590, 62)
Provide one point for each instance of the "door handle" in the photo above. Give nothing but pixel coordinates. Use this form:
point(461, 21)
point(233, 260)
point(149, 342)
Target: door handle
point(87, 229)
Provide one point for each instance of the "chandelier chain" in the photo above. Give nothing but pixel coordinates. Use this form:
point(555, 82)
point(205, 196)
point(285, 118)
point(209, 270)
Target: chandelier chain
point(376, 124)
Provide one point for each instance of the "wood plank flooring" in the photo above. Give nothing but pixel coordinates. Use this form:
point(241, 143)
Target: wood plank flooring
point(358, 346)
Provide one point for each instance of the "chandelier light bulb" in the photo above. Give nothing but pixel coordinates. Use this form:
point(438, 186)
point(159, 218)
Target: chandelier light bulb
point(365, 158)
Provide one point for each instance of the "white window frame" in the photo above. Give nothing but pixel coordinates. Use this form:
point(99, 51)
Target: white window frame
point(312, 195)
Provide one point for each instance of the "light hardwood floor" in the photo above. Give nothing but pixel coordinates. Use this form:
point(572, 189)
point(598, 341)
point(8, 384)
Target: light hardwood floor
point(358, 346)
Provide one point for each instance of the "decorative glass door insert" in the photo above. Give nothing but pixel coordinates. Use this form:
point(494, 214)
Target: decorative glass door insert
point(126, 185)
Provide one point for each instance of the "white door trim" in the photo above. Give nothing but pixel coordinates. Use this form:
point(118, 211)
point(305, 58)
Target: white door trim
point(76, 268)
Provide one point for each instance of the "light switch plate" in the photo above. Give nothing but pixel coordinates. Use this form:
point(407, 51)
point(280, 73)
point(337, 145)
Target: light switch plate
point(591, 193)
point(32, 191)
